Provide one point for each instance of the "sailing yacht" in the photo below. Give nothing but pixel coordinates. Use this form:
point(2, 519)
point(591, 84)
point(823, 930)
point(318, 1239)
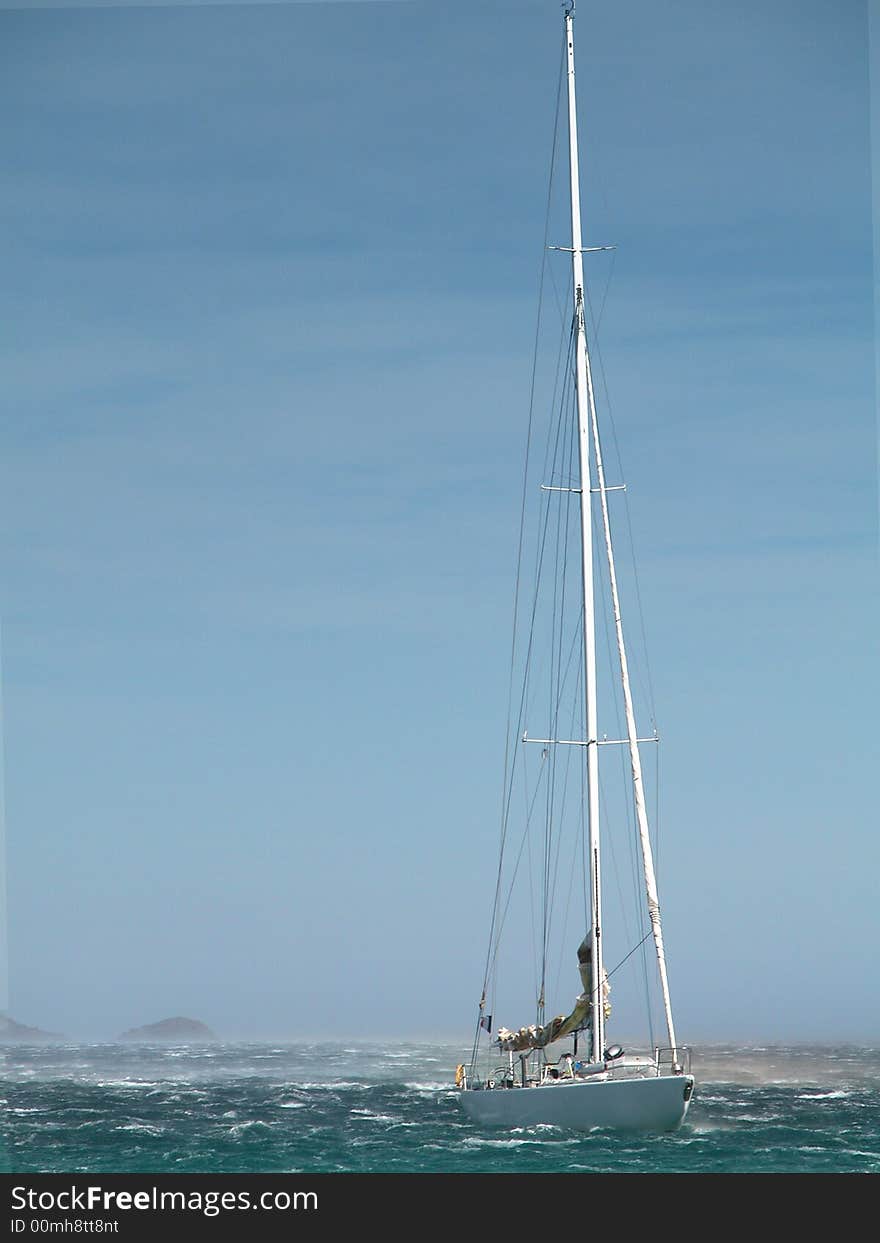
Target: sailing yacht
point(564, 1071)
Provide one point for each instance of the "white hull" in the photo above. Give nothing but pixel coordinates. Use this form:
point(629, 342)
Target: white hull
point(658, 1103)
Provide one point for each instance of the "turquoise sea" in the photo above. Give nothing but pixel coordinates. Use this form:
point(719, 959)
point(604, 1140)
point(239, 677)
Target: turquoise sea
point(369, 1107)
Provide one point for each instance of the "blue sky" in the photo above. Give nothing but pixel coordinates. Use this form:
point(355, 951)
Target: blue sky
point(270, 277)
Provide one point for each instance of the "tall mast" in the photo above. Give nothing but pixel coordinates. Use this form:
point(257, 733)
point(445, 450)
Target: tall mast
point(588, 423)
point(584, 383)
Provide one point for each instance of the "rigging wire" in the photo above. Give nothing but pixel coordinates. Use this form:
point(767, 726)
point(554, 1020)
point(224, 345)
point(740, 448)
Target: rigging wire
point(576, 719)
point(628, 956)
point(527, 698)
point(551, 464)
point(507, 758)
point(598, 320)
point(562, 679)
point(559, 595)
point(596, 352)
point(522, 845)
point(578, 633)
point(561, 303)
point(657, 814)
point(627, 806)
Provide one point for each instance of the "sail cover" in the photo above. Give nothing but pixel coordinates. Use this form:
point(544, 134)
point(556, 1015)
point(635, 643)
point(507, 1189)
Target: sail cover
point(537, 1037)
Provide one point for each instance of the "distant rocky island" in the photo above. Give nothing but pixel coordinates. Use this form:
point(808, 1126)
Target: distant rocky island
point(19, 1033)
point(175, 1030)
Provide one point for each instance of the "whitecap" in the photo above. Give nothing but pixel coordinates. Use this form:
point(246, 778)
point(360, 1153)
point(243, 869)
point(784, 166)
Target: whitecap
point(328, 1085)
point(473, 1142)
point(241, 1127)
point(132, 1083)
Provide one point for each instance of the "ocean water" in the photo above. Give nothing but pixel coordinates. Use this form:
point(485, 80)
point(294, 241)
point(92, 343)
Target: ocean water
point(366, 1107)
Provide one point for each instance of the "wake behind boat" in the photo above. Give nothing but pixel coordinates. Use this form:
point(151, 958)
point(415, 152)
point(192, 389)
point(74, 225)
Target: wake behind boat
point(512, 1080)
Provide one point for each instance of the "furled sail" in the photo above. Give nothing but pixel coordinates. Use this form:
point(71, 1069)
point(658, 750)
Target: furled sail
point(537, 1037)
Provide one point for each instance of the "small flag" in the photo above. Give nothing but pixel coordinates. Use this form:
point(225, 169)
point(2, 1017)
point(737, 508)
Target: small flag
point(486, 1022)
